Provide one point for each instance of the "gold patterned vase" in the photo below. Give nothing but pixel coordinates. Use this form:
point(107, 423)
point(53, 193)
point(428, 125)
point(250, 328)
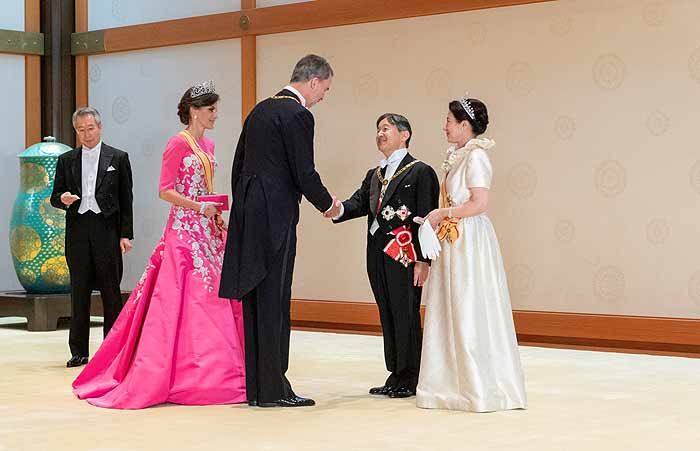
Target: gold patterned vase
point(37, 230)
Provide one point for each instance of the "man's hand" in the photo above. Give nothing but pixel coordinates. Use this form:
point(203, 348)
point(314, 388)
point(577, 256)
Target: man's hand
point(125, 245)
point(67, 198)
point(420, 273)
point(334, 210)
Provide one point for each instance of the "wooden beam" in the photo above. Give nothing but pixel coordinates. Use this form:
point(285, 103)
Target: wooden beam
point(672, 331)
point(82, 71)
point(32, 78)
point(614, 333)
point(282, 19)
point(249, 65)
point(81, 62)
point(334, 13)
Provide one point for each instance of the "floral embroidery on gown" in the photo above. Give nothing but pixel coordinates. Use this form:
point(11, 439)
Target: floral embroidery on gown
point(175, 340)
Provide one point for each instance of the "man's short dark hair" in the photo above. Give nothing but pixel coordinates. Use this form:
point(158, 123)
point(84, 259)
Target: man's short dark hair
point(398, 121)
point(311, 66)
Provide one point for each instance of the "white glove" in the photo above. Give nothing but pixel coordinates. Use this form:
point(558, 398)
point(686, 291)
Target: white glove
point(429, 243)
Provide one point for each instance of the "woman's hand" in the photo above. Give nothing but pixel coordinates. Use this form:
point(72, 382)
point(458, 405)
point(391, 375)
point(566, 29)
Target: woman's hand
point(220, 225)
point(210, 209)
point(420, 273)
point(435, 217)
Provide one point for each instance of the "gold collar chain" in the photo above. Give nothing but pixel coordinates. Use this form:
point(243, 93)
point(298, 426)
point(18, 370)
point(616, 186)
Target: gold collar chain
point(385, 182)
point(286, 97)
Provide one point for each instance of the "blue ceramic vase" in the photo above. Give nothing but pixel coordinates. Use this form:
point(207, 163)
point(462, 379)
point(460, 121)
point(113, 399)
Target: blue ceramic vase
point(38, 230)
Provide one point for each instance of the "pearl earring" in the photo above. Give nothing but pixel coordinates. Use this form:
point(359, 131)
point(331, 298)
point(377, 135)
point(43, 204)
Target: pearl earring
point(195, 116)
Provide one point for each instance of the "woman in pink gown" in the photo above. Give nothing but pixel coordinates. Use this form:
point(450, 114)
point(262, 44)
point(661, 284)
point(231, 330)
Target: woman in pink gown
point(175, 340)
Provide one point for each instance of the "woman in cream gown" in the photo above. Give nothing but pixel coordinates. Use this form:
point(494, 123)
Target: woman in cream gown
point(470, 358)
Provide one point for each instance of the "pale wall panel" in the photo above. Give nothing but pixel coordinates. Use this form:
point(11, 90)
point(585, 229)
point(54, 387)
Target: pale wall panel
point(12, 118)
point(137, 94)
point(596, 196)
point(12, 15)
point(118, 13)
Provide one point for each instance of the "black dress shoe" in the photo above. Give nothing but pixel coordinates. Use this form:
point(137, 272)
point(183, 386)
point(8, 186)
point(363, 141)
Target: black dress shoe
point(76, 360)
point(252, 402)
point(304, 402)
point(292, 401)
point(401, 392)
point(383, 390)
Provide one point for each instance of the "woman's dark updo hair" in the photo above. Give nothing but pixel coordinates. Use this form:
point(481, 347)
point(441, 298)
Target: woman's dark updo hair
point(481, 115)
point(183, 108)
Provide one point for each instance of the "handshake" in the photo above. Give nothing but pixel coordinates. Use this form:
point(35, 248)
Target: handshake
point(335, 211)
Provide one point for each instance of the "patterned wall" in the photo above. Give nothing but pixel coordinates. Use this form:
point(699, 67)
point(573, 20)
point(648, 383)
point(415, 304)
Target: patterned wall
point(596, 196)
point(137, 94)
point(12, 118)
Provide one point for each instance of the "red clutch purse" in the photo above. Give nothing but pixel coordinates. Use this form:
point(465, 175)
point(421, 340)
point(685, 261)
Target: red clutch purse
point(217, 198)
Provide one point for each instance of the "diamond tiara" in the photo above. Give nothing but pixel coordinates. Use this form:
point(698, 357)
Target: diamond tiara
point(202, 88)
point(466, 104)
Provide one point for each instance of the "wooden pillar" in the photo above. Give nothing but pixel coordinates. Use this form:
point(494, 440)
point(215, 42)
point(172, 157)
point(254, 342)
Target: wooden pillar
point(32, 78)
point(81, 61)
point(58, 73)
point(248, 68)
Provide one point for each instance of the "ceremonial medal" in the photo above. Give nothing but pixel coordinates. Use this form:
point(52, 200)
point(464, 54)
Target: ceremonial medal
point(403, 212)
point(388, 213)
point(401, 248)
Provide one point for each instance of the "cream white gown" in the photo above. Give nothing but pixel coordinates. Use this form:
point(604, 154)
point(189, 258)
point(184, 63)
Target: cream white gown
point(470, 359)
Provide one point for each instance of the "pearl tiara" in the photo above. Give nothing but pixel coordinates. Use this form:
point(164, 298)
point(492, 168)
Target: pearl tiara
point(202, 88)
point(467, 105)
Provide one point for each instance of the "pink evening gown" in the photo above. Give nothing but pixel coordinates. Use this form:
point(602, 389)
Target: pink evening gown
point(175, 340)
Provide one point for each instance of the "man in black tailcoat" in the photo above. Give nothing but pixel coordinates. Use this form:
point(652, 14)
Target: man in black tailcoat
point(273, 168)
point(391, 195)
point(93, 185)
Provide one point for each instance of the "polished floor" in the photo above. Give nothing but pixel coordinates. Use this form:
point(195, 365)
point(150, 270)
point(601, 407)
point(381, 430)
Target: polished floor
point(579, 400)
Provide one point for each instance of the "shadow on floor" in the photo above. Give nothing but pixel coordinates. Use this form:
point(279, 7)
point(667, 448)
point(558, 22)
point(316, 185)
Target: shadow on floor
point(17, 323)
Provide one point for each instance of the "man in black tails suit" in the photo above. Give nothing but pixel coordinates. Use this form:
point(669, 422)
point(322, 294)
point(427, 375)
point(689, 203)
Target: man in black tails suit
point(390, 196)
point(273, 168)
point(94, 185)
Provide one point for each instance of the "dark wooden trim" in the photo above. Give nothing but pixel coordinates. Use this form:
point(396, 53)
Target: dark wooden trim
point(58, 70)
point(14, 42)
point(334, 13)
point(614, 333)
point(283, 19)
point(32, 78)
point(677, 331)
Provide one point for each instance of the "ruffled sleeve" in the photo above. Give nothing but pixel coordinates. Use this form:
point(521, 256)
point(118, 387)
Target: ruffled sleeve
point(174, 152)
point(479, 171)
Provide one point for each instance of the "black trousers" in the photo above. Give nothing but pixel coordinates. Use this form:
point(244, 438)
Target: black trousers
point(95, 261)
point(267, 325)
point(399, 313)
